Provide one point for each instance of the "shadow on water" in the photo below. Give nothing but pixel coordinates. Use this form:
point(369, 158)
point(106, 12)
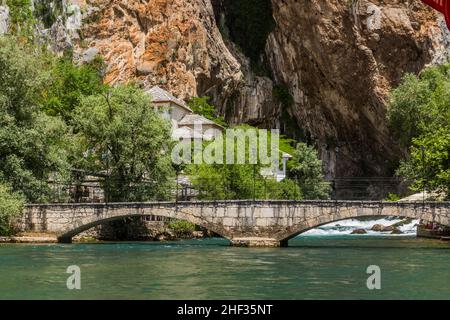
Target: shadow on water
point(302, 242)
point(211, 242)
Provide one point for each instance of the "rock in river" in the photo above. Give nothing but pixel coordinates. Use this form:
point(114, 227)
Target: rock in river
point(378, 227)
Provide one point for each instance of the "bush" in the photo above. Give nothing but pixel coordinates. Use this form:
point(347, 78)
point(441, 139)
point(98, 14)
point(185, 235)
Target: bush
point(392, 197)
point(182, 226)
point(306, 168)
point(285, 190)
point(21, 17)
point(245, 181)
point(11, 206)
point(202, 107)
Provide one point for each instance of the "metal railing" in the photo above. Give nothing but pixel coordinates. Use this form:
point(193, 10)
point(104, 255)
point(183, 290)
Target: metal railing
point(100, 189)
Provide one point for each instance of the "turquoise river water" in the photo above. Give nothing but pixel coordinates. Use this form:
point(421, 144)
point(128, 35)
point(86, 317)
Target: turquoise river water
point(312, 267)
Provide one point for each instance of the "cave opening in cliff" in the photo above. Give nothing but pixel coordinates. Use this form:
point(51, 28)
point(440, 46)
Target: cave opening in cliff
point(248, 24)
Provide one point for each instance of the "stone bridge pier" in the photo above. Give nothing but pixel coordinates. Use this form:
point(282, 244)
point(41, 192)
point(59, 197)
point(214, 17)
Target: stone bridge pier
point(244, 223)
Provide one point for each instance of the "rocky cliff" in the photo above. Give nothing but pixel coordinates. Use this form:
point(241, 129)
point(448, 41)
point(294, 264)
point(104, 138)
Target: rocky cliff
point(339, 60)
point(319, 70)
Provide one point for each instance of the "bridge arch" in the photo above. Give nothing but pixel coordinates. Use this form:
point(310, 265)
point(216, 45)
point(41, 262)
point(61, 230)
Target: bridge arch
point(80, 225)
point(304, 229)
point(416, 212)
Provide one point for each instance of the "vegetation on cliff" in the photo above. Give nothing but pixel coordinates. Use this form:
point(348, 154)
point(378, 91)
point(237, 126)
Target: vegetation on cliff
point(69, 84)
point(47, 11)
point(21, 17)
point(201, 106)
point(25, 14)
point(419, 113)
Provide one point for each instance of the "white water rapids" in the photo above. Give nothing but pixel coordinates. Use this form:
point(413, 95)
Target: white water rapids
point(346, 227)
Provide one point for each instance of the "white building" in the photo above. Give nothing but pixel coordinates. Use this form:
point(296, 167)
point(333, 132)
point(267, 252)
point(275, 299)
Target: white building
point(185, 123)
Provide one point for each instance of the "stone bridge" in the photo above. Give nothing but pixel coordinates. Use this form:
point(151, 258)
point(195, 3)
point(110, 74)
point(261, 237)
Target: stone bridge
point(244, 223)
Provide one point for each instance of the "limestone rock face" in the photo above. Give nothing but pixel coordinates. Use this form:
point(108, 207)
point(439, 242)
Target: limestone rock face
point(4, 19)
point(339, 60)
point(172, 43)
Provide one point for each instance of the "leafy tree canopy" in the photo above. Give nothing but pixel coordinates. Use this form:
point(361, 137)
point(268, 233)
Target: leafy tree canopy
point(31, 143)
point(121, 135)
point(306, 169)
point(244, 181)
point(420, 115)
point(11, 205)
point(420, 104)
point(429, 163)
point(69, 83)
point(202, 107)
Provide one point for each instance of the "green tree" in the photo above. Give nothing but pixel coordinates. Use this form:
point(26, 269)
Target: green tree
point(287, 189)
point(120, 134)
point(69, 84)
point(419, 113)
point(429, 169)
point(420, 104)
point(227, 181)
point(240, 181)
point(392, 197)
point(32, 145)
point(202, 107)
point(306, 169)
point(11, 205)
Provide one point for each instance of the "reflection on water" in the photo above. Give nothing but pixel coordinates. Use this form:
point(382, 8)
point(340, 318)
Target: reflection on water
point(311, 268)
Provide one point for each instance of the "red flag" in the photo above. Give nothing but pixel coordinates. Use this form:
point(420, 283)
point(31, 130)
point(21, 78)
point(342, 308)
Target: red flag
point(441, 6)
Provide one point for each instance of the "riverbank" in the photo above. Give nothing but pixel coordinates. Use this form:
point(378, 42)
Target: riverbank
point(45, 238)
point(30, 237)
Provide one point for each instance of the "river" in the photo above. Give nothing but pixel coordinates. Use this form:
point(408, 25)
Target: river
point(324, 263)
point(313, 267)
